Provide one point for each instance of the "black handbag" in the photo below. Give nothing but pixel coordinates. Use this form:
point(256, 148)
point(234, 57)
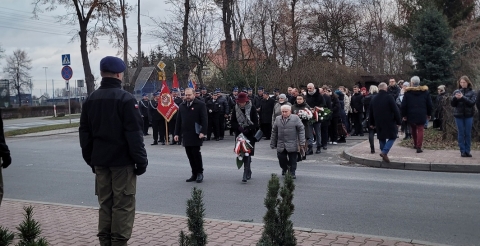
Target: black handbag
point(258, 135)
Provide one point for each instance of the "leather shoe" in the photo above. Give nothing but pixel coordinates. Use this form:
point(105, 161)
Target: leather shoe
point(283, 172)
point(468, 154)
point(463, 155)
point(318, 151)
point(199, 178)
point(154, 143)
point(385, 157)
point(419, 150)
point(191, 179)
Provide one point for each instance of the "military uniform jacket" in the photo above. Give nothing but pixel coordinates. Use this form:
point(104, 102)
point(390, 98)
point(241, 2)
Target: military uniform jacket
point(143, 105)
point(111, 128)
point(187, 116)
point(154, 111)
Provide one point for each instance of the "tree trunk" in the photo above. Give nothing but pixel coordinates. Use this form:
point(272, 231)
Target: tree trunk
point(227, 23)
point(126, 82)
point(89, 79)
point(18, 89)
point(185, 66)
point(140, 56)
point(294, 33)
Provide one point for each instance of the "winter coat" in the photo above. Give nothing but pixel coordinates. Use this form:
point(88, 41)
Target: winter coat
point(464, 107)
point(315, 100)
point(111, 128)
point(366, 102)
point(336, 107)
point(225, 108)
point(416, 104)
point(250, 131)
point(152, 108)
point(289, 135)
point(144, 105)
point(394, 91)
point(187, 117)
point(356, 102)
point(384, 115)
point(439, 105)
point(277, 111)
point(266, 110)
point(295, 109)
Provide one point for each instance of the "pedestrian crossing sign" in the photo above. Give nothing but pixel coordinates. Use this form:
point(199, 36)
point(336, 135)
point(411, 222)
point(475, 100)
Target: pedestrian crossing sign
point(65, 59)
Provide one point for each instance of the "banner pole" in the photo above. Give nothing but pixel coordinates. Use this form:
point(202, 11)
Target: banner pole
point(166, 129)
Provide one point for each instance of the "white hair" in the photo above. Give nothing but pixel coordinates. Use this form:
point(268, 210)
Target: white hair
point(311, 84)
point(288, 107)
point(373, 89)
point(415, 81)
point(382, 86)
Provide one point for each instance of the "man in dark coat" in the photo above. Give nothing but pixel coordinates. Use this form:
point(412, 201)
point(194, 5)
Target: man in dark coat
point(224, 112)
point(158, 122)
point(384, 116)
point(326, 123)
point(266, 111)
point(192, 125)
point(215, 112)
point(314, 99)
point(393, 88)
point(416, 109)
point(4, 154)
point(143, 104)
point(258, 98)
point(232, 98)
point(357, 110)
point(111, 138)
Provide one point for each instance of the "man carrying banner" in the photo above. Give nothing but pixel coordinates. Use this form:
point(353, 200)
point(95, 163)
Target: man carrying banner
point(171, 124)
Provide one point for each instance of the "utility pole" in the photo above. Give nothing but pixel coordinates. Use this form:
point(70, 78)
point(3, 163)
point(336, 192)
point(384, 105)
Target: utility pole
point(53, 90)
point(46, 81)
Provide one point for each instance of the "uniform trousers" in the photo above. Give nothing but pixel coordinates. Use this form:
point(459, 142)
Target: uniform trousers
point(221, 125)
point(115, 188)
point(195, 158)
point(214, 125)
point(159, 130)
point(146, 124)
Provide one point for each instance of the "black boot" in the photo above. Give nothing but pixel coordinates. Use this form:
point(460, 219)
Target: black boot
point(247, 171)
point(154, 143)
point(318, 150)
point(309, 150)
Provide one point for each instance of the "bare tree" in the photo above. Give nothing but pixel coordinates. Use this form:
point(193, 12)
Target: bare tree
point(139, 47)
point(94, 17)
point(201, 33)
point(18, 69)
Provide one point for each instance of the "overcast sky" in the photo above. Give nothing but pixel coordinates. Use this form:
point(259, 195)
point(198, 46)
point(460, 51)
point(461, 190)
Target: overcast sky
point(45, 41)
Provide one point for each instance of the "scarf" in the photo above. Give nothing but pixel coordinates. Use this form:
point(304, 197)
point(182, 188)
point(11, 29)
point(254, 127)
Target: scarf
point(311, 93)
point(243, 119)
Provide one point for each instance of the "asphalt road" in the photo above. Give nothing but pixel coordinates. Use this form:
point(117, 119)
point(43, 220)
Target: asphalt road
point(24, 123)
point(330, 193)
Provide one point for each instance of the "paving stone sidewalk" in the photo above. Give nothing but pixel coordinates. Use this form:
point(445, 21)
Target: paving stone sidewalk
point(64, 225)
point(407, 158)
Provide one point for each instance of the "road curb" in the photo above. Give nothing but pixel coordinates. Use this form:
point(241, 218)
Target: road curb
point(47, 133)
point(302, 229)
point(432, 167)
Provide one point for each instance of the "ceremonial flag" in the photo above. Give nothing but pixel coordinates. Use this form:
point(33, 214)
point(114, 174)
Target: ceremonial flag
point(175, 78)
point(192, 84)
point(166, 106)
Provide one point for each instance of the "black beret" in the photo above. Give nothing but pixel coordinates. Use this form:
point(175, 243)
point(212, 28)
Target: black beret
point(112, 64)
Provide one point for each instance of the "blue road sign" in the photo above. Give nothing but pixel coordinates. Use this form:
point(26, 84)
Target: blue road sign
point(65, 59)
point(67, 72)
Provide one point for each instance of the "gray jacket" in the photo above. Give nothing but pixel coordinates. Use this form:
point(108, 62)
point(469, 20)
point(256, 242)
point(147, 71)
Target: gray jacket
point(288, 136)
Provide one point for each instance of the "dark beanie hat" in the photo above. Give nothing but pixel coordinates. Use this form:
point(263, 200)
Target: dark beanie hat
point(112, 64)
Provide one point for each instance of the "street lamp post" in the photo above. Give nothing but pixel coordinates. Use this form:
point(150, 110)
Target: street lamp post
point(46, 81)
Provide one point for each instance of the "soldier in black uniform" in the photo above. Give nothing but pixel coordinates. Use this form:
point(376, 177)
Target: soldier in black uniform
point(251, 97)
point(205, 95)
point(143, 104)
point(171, 124)
point(158, 122)
point(214, 109)
point(199, 96)
point(224, 112)
point(232, 100)
point(258, 98)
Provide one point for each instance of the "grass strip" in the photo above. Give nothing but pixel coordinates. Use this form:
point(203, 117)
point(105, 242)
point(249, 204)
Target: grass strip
point(40, 129)
point(73, 116)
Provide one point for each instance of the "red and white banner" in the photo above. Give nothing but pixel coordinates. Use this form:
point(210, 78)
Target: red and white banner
point(166, 106)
